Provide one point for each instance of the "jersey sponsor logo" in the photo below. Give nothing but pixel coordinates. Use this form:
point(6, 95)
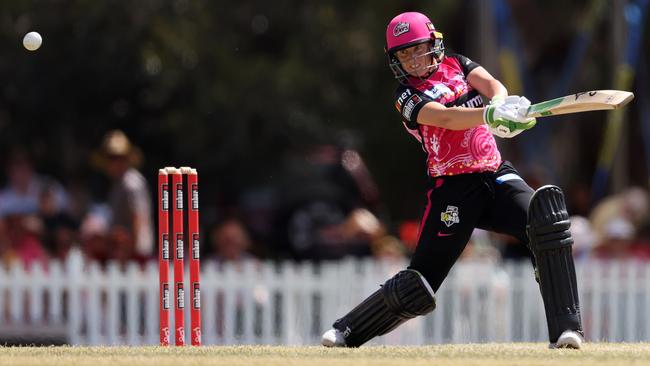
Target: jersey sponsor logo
point(442, 235)
point(401, 28)
point(475, 102)
point(402, 98)
point(451, 216)
point(410, 105)
point(438, 91)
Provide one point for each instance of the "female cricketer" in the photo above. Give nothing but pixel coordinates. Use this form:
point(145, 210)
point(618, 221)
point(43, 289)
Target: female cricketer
point(469, 186)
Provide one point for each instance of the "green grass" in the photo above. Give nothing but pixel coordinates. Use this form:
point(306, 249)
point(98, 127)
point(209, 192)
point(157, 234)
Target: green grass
point(440, 355)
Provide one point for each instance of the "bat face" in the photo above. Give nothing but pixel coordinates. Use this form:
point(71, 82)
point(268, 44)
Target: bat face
point(581, 102)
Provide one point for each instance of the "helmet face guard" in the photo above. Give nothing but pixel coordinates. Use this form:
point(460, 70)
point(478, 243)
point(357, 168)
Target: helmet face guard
point(408, 30)
point(436, 52)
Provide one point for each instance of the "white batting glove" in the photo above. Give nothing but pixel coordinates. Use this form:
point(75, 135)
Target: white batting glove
point(507, 118)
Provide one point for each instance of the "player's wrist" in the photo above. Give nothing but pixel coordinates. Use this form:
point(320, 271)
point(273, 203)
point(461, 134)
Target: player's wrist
point(488, 114)
point(497, 99)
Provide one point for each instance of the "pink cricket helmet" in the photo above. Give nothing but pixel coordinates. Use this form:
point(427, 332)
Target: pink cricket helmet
point(410, 29)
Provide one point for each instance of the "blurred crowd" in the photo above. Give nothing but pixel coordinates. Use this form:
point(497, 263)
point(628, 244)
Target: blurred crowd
point(327, 207)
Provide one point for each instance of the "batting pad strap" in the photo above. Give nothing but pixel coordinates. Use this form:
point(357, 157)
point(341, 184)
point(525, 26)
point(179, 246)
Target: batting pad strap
point(552, 227)
point(408, 294)
point(550, 237)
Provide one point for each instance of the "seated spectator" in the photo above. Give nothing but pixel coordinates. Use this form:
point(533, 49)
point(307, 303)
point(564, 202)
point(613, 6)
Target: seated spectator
point(229, 241)
point(616, 240)
point(23, 234)
point(21, 194)
point(59, 228)
point(94, 237)
point(122, 248)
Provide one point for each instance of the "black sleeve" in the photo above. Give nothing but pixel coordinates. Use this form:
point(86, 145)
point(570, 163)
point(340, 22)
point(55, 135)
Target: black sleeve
point(465, 63)
point(408, 102)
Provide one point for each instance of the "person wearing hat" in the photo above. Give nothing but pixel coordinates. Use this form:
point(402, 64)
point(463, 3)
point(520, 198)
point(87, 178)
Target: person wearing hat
point(129, 198)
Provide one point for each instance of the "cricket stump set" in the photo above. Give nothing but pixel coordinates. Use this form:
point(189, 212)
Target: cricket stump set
point(176, 178)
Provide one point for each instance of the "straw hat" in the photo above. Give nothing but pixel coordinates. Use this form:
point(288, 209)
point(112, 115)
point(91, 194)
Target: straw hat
point(116, 144)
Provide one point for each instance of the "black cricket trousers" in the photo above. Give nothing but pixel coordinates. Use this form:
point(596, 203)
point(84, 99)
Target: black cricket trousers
point(494, 201)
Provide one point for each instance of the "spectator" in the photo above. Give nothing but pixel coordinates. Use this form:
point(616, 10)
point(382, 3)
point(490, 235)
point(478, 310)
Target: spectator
point(122, 248)
point(23, 235)
point(21, 194)
point(94, 237)
point(59, 228)
point(617, 239)
point(630, 205)
point(325, 205)
point(129, 198)
point(229, 241)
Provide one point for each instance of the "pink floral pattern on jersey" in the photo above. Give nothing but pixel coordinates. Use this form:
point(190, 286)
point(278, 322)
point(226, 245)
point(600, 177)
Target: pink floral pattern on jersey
point(482, 143)
point(453, 152)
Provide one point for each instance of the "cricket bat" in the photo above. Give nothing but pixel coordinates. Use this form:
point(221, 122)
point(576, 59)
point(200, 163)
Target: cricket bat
point(594, 100)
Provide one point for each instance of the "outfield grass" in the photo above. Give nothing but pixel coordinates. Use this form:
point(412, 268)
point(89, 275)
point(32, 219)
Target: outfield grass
point(440, 355)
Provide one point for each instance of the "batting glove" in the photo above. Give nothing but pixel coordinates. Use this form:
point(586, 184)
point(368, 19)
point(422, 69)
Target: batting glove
point(506, 118)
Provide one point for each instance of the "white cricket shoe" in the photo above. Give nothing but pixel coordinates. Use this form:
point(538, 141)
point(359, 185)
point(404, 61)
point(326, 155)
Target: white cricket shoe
point(568, 339)
point(333, 338)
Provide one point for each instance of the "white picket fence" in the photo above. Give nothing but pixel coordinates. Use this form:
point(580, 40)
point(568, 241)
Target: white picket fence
point(288, 303)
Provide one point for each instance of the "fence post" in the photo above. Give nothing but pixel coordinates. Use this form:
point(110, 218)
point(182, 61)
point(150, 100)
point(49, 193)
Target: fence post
point(74, 271)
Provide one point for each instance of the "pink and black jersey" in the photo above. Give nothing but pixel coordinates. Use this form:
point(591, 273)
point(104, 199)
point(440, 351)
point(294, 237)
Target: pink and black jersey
point(449, 152)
